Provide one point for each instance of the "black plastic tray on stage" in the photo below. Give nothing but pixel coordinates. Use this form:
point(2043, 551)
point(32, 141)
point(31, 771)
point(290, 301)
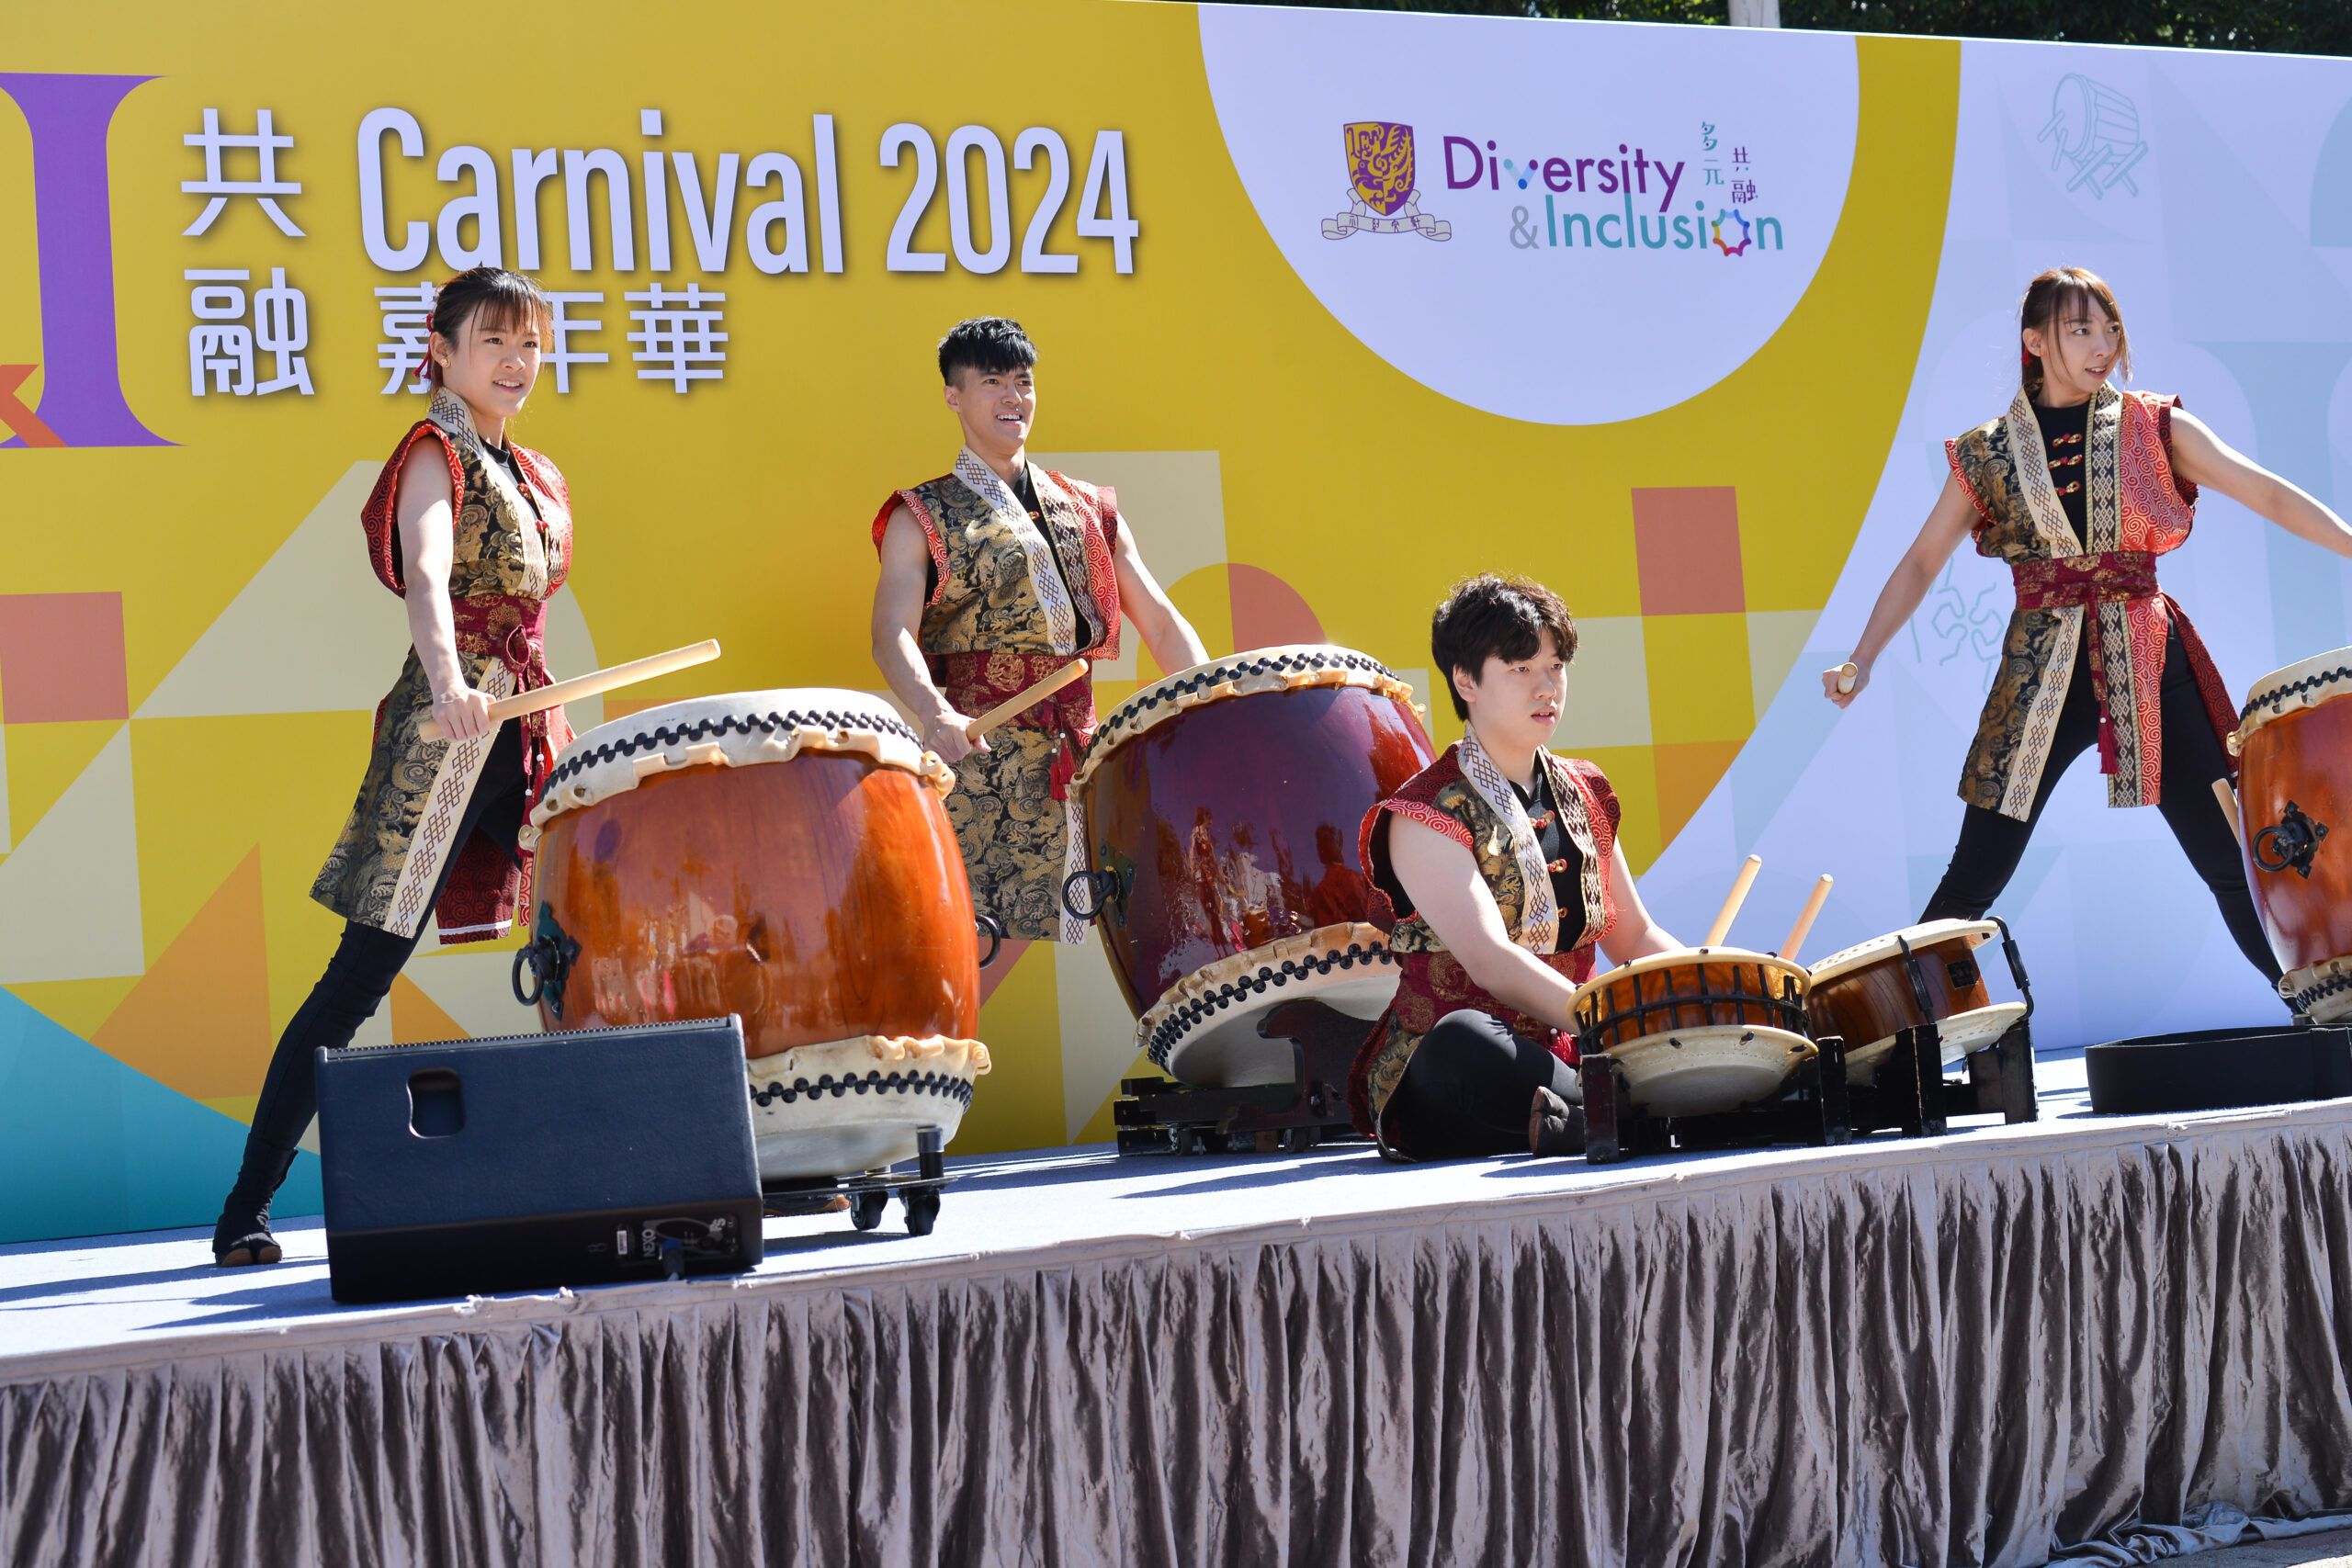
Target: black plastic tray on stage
point(2219, 1069)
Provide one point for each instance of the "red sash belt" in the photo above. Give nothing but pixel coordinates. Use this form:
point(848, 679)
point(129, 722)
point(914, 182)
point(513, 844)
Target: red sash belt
point(975, 683)
point(2111, 577)
point(513, 631)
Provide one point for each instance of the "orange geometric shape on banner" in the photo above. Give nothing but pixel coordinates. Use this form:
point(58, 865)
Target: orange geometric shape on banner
point(1686, 541)
point(996, 973)
point(198, 1020)
point(60, 657)
point(16, 416)
point(416, 1016)
point(1268, 611)
point(1687, 773)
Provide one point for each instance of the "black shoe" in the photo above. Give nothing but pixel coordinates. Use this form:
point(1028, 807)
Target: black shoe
point(1554, 1126)
point(242, 1236)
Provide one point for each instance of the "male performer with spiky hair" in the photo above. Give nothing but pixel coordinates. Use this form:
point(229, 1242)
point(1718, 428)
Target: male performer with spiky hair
point(994, 576)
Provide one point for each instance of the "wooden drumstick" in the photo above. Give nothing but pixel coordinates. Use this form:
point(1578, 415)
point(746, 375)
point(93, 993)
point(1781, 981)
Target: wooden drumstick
point(1746, 880)
point(1848, 673)
point(1020, 702)
point(1805, 917)
point(2229, 799)
point(591, 684)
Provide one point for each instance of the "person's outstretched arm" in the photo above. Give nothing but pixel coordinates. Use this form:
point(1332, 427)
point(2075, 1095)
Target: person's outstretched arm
point(1954, 517)
point(2204, 459)
point(898, 617)
point(1146, 607)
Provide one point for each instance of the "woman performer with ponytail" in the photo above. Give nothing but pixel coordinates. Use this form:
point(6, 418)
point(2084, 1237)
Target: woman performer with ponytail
point(2080, 487)
point(475, 533)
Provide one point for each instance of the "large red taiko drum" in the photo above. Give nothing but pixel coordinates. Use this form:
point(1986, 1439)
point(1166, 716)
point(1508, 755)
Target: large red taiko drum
point(1221, 806)
point(784, 856)
point(2294, 743)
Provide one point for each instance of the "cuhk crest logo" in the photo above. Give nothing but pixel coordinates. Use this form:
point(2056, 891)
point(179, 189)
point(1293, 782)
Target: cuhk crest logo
point(1381, 197)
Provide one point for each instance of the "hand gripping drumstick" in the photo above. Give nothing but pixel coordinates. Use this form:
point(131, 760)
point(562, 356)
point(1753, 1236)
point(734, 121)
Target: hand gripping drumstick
point(1022, 701)
point(591, 684)
point(1848, 673)
point(1805, 917)
point(1747, 879)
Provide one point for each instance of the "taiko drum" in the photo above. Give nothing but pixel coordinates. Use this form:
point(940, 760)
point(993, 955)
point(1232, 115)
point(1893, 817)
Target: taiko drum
point(1222, 805)
point(784, 856)
point(2294, 742)
point(1864, 995)
point(1698, 1030)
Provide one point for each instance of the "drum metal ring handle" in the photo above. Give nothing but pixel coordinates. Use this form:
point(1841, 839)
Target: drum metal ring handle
point(995, 929)
point(551, 954)
point(1100, 885)
point(2290, 844)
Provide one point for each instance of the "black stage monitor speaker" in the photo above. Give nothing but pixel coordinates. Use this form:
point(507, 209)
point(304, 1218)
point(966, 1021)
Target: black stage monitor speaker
point(577, 1159)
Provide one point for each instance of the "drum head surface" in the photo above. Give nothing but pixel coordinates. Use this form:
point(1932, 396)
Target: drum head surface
point(1962, 1034)
point(1696, 1072)
point(1881, 948)
point(2314, 680)
point(737, 729)
point(1258, 670)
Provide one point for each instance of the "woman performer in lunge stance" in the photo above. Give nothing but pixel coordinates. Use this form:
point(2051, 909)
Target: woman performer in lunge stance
point(1502, 862)
point(2080, 487)
point(475, 533)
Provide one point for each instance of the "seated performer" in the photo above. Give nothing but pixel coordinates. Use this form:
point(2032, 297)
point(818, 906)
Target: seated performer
point(994, 576)
point(475, 533)
point(2080, 488)
point(1502, 862)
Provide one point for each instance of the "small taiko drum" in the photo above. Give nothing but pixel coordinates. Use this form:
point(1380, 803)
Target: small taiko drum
point(2294, 744)
point(1699, 1031)
point(1865, 995)
point(783, 856)
point(1223, 804)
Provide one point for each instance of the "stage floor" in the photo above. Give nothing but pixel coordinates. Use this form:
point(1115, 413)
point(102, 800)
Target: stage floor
point(134, 1297)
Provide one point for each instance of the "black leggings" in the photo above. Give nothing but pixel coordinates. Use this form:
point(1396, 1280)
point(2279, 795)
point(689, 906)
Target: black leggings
point(360, 974)
point(1468, 1088)
point(1991, 844)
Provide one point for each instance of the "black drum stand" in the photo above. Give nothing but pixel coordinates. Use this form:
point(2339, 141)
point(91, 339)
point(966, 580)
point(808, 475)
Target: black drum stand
point(1162, 1116)
point(869, 1192)
point(1910, 1094)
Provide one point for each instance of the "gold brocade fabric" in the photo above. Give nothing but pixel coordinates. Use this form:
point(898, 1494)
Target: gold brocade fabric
point(2134, 502)
point(1019, 843)
point(501, 549)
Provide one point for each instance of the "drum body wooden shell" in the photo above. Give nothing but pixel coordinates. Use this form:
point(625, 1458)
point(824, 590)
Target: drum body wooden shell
point(2295, 807)
point(1863, 995)
point(1697, 1032)
point(1226, 837)
point(822, 898)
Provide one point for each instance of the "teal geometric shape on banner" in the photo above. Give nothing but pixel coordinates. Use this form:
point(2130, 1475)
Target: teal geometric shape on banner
point(91, 1148)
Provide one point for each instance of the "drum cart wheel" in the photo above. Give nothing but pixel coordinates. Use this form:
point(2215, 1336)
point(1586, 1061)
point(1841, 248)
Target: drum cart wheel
point(869, 1191)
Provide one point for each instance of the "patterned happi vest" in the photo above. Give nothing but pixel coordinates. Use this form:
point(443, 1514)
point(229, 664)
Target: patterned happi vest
point(1011, 600)
point(510, 554)
point(2138, 509)
point(1431, 983)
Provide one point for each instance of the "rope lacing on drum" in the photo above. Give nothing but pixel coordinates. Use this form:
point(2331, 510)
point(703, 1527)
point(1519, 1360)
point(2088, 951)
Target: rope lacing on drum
point(1180, 1022)
point(731, 723)
point(2277, 696)
point(947, 1085)
point(1217, 674)
point(2301, 1001)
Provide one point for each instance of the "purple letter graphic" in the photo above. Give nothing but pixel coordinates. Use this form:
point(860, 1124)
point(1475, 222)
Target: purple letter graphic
point(1453, 180)
point(81, 391)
